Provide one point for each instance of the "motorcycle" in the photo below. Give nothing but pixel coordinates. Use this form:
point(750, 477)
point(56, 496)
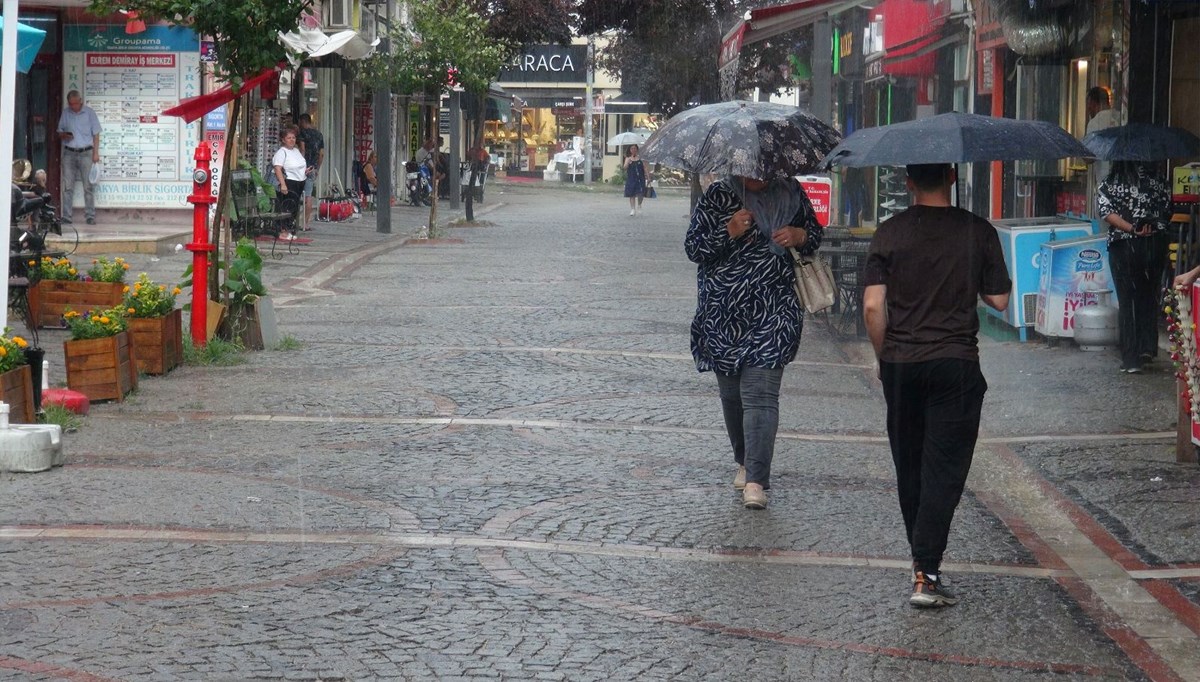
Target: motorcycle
point(419, 180)
point(29, 236)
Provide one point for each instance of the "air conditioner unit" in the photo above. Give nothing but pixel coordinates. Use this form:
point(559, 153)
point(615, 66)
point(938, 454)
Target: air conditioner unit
point(338, 13)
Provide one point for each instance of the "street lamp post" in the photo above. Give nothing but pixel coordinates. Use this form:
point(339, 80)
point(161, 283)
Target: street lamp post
point(587, 113)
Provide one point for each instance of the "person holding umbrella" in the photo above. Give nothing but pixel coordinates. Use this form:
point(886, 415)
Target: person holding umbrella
point(1134, 202)
point(926, 268)
point(635, 179)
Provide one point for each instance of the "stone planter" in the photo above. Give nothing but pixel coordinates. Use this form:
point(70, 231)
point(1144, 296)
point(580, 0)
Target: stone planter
point(157, 342)
point(16, 389)
point(50, 298)
point(101, 369)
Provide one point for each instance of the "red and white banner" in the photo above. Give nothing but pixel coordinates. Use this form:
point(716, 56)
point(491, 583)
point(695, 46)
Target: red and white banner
point(820, 192)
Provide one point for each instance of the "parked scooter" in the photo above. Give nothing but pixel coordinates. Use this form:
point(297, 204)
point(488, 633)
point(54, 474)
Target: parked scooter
point(419, 181)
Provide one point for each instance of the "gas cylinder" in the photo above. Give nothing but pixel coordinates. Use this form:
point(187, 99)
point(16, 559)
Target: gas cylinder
point(1096, 325)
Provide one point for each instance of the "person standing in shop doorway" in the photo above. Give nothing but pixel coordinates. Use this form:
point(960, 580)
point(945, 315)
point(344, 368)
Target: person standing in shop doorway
point(1100, 116)
point(79, 129)
point(926, 269)
point(312, 145)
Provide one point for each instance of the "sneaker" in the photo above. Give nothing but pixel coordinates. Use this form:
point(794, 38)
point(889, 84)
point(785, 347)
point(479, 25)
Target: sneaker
point(739, 481)
point(930, 593)
point(631, 211)
point(754, 497)
point(65, 219)
point(1132, 370)
point(91, 221)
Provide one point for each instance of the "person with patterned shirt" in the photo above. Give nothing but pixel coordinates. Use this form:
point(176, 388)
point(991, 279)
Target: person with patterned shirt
point(748, 318)
point(1134, 203)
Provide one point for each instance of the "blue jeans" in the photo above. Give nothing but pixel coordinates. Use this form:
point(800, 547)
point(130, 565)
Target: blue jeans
point(750, 404)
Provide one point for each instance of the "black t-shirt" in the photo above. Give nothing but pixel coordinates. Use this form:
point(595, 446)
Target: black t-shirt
point(935, 262)
point(314, 142)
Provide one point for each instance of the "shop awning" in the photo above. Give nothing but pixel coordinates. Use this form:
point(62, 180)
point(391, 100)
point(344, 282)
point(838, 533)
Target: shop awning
point(29, 41)
point(768, 22)
point(909, 37)
point(313, 43)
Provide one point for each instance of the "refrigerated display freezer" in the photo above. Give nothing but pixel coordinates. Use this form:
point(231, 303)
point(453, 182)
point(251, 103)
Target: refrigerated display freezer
point(1021, 240)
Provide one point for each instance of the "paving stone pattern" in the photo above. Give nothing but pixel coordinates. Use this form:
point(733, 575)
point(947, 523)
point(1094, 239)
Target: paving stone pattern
point(491, 457)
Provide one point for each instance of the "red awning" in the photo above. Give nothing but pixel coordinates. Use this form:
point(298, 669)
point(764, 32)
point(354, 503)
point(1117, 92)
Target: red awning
point(193, 108)
point(908, 35)
point(768, 22)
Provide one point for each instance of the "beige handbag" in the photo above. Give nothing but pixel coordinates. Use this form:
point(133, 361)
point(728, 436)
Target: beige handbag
point(814, 282)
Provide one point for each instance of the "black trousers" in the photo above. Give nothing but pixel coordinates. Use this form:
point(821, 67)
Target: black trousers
point(1137, 269)
point(933, 410)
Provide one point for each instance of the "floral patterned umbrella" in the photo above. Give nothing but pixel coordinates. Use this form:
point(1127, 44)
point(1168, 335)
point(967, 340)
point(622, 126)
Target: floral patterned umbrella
point(751, 139)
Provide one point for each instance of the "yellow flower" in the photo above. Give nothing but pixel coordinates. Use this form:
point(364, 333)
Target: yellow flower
point(94, 261)
point(70, 313)
point(104, 319)
point(176, 291)
point(125, 265)
point(3, 351)
point(21, 343)
point(71, 271)
point(137, 286)
point(162, 287)
point(33, 262)
point(125, 290)
point(130, 311)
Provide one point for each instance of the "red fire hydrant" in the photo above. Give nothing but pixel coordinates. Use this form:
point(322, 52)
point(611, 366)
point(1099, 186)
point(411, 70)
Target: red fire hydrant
point(200, 247)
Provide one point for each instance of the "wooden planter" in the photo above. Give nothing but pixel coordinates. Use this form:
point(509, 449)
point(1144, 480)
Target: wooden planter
point(252, 325)
point(50, 298)
point(16, 389)
point(157, 342)
point(101, 369)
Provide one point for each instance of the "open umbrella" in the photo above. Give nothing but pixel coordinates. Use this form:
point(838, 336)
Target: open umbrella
point(751, 139)
point(628, 137)
point(955, 138)
point(1142, 142)
point(29, 41)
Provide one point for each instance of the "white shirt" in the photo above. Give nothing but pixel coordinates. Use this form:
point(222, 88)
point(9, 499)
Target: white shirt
point(292, 161)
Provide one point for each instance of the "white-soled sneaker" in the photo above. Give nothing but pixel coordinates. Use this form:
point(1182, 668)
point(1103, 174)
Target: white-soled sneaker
point(739, 481)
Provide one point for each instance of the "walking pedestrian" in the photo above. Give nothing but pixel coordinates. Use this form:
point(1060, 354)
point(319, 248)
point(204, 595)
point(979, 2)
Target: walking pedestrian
point(635, 179)
point(748, 318)
point(312, 145)
point(926, 268)
point(290, 170)
point(1134, 203)
point(79, 130)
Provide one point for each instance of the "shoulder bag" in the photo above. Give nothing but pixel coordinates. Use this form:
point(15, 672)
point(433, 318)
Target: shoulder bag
point(814, 282)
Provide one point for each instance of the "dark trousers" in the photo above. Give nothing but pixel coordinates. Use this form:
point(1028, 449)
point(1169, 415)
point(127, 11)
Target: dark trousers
point(933, 410)
point(750, 405)
point(1137, 269)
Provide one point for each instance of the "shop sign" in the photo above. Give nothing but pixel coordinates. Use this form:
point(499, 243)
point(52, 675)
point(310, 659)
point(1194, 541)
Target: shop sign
point(1186, 179)
point(570, 122)
point(873, 71)
point(564, 108)
point(128, 80)
point(987, 71)
point(819, 191)
point(548, 64)
point(215, 119)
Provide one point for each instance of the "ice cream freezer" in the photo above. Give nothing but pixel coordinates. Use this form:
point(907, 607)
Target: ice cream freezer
point(1072, 272)
point(1021, 240)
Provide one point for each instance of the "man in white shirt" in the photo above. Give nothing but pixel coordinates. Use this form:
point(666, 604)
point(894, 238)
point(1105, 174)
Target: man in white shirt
point(1100, 116)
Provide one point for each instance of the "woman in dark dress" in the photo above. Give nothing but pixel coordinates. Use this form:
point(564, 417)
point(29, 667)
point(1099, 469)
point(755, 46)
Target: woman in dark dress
point(1134, 203)
point(635, 179)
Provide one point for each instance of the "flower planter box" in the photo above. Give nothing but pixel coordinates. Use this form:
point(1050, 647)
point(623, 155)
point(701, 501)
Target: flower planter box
point(16, 389)
point(101, 369)
point(157, 342)
point(50, 298)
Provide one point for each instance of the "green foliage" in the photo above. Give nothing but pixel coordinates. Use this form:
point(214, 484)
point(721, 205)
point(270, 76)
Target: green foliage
point(57, 414)
point(246, 31)
point(53, 268)
point(12, 351)
point(216, 353)
point(265, 199)
point(105, 270)
point(443, 38)
point(243, 281)
point(95, 324)
point(147, 299)
point(288, 342)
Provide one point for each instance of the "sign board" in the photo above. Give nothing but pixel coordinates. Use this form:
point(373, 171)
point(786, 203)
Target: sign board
point(873, 71)
point(819, 191)
point(547, 64)
point(1186, 179)
point(129, 80)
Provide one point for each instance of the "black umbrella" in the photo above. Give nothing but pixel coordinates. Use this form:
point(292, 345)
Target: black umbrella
point(954, 138)
point(1142, 142)
point(751, 139)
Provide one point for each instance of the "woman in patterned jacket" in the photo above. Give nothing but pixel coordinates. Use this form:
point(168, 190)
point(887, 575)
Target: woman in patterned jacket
point(1134, 203)
point(748, 317)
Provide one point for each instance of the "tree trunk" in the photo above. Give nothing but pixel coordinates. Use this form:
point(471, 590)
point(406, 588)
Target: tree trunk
point(436, 155)
point(214, 278)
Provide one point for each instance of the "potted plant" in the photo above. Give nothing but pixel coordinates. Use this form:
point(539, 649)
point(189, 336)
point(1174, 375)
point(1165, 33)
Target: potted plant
point(99, 354)
point(155, 325)
point(16, 381)
point(56, 285)
point(250, 318)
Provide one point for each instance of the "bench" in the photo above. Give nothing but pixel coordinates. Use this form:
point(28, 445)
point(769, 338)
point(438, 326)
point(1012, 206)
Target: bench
point(249, 220)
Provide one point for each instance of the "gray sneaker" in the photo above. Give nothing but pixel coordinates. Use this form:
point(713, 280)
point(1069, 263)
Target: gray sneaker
point(739, 480)
point(930, 593)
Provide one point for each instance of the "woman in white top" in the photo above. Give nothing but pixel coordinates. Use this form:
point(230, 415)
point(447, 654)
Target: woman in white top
point(290, 171)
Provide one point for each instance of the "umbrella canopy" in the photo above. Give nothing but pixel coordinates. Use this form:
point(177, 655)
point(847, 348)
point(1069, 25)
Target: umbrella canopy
point(1142, 142)
point(29, 41)
point(628, 137)
point(955, 138)
point(751, 139)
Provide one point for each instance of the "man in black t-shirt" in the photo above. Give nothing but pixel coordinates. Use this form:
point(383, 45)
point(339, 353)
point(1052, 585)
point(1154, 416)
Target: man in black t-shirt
point(312, 145)
point(926, 269)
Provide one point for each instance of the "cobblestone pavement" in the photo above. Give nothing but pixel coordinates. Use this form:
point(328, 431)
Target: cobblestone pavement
point(492, 458)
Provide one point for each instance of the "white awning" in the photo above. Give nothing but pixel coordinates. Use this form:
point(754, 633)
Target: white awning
point(313, 42)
